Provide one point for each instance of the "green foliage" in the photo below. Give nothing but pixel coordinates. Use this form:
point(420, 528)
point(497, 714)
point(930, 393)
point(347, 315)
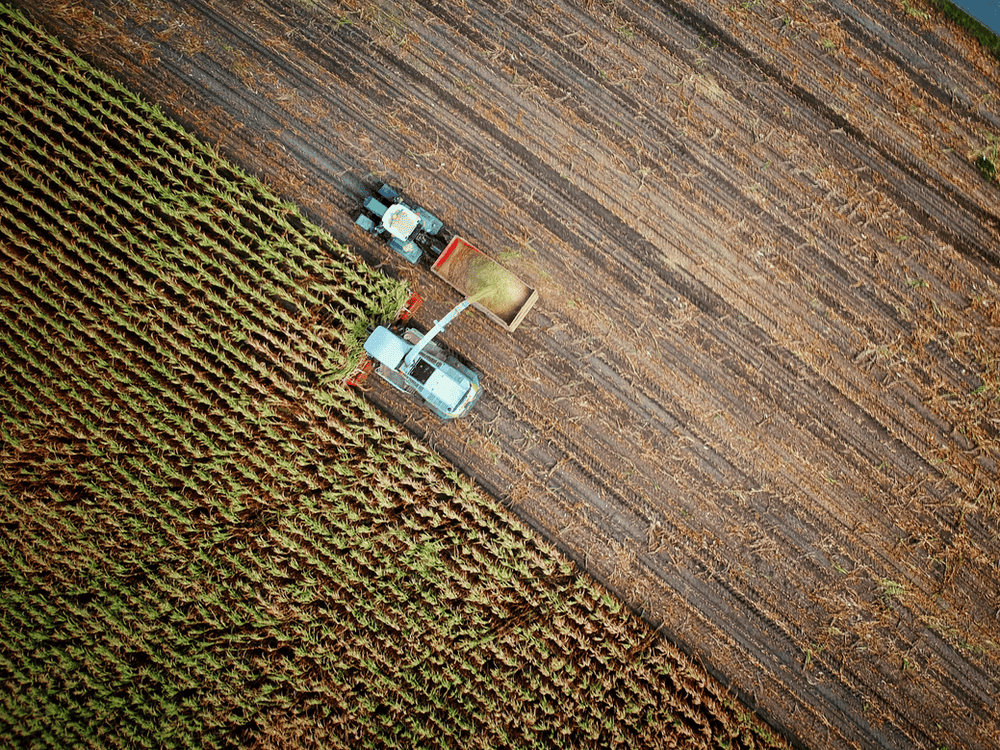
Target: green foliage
point(986, 168)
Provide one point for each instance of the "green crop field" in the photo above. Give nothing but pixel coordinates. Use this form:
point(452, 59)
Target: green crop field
point(207, 541)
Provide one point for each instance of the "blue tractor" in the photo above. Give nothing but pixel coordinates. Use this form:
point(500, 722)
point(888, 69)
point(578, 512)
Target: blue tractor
point(410, 230)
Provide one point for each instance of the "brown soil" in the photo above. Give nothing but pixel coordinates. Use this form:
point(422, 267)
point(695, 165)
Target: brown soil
point(758, 394)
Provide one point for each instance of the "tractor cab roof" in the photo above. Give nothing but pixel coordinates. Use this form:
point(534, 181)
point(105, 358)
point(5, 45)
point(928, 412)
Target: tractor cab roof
point(400, 220)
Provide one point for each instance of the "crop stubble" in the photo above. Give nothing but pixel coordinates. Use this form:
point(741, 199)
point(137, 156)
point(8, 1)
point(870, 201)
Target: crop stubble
point(758, 392)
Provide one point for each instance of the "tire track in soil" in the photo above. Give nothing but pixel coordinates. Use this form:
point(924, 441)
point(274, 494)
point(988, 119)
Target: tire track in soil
point(892, 529)
point(871, 26)
point(870, 151)
point(939, 97)
point(710, 362)
point(727, 604)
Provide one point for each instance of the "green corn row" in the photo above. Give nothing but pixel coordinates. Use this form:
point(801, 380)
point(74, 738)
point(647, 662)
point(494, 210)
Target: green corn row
point(95, 180)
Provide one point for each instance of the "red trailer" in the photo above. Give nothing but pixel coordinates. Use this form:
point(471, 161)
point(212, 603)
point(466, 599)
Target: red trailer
point(496, 292)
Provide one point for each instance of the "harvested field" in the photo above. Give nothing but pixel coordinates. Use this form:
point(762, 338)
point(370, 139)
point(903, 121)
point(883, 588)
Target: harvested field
point(758, 395)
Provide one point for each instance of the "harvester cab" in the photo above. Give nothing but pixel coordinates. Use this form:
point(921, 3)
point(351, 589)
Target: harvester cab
point(413, 362)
